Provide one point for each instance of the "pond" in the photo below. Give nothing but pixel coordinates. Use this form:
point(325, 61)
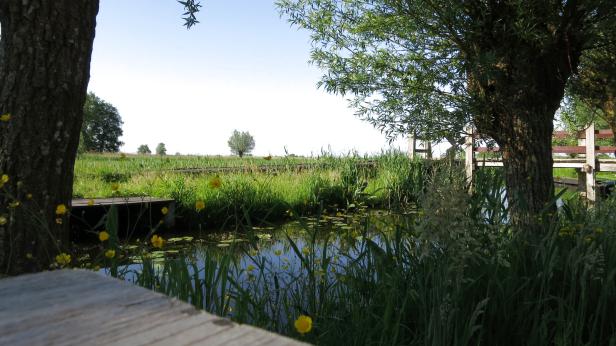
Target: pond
point(218, 271)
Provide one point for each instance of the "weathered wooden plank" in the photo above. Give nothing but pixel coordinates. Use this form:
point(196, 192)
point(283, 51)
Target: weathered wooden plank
point(591, 163)
point(83, 202)
point(75, 307)
point(582, 134)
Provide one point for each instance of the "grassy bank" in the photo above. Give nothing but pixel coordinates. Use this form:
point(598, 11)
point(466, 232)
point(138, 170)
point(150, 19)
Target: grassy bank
point(260, 189)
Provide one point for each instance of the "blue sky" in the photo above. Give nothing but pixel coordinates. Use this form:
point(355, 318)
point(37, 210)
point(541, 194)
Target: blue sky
point(243, 67)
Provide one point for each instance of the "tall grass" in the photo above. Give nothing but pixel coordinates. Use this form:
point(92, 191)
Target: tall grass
point(391, 180)
point(457, 273)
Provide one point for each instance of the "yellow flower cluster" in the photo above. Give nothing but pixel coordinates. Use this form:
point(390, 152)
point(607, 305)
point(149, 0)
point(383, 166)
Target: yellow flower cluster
point(103, 236)
point(215, 182)
point(199, 205)
point(5, 117)
point(303, 324)
point(165, 210)
point(110, 253)
point(61, 209)
point(4, 179)
point(63, 259)
point(157, 241)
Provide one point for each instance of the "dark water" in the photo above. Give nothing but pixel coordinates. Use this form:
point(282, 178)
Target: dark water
point(336, 238)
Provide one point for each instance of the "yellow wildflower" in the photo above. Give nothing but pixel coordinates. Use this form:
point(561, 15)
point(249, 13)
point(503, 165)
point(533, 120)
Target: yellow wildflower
point(4, 179)
point(102, 236)
point(61, 209)
point(115, 187)
point(303, 324)
point(165, 210)
point(90, 202)
point(215, 182)
point(59, 221)
point(110, 253)
point(5, 117)
point(3, 220)
point(250, 268)
point(199, 205)
point(157, 241)
point(63, 259)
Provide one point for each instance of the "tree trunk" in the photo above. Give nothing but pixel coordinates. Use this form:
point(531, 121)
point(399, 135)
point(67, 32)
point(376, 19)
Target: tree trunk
point(527, 161)
point(45, 53)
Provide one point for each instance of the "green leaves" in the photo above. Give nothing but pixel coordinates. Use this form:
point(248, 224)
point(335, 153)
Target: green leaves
point(192, 8)
point(398, 71)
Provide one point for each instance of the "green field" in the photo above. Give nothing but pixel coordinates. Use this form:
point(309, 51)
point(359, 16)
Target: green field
point(263, 189)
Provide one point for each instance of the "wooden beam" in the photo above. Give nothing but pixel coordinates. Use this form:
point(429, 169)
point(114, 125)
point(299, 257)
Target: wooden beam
point(591, 163)
point(582, 149)
point(469, 160)
point(412, 146)
point(598, 134)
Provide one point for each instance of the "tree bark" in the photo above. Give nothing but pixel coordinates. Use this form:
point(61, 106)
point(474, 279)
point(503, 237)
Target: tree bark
point(45, 53)
point(527, 161)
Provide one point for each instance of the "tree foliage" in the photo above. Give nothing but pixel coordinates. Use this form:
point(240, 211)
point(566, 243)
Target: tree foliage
point(161, 149)
point(241, 143)
point(430, 67)
point(144, 149)
point(593, 90)
point(102, 126)
point(427, 65)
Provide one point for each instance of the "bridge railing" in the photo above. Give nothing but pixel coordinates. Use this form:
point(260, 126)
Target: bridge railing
point(587, 166)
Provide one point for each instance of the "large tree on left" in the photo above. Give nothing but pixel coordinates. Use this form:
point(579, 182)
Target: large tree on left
point(45, 52)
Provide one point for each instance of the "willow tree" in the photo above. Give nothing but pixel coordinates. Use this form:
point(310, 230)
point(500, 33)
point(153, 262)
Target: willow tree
point(431, 66)
point(45, 52)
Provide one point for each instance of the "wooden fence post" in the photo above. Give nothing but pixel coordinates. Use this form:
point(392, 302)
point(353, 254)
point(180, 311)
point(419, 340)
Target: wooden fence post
point(591, 163)
point(412, 146)
point(469, 160)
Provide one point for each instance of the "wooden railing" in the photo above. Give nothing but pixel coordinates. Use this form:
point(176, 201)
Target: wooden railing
point(587, 166)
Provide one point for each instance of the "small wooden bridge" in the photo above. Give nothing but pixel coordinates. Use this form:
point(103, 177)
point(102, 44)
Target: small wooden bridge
point(586, 166)
point(135, 214)
point(77, 307)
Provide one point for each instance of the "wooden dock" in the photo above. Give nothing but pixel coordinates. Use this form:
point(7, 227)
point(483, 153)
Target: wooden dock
point(107, 202)
point(136, 215)
point(77, 307)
